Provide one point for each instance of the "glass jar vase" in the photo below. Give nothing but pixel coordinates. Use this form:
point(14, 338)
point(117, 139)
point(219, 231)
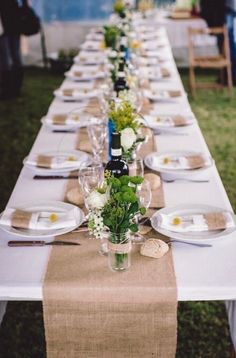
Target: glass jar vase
point(119, 251)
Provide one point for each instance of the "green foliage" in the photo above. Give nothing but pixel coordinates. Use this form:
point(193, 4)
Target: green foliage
point(123, 116)
point(67, 55)
point(111, 35)
point(119, 212)
point(119, 7)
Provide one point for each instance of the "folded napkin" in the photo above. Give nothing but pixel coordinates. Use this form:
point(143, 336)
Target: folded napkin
point(63, 119)
point(166, 121)
point(59, 161)
point(40, 220)
point(162, 94)
point(70, 92)
point(197, 222)
point(175, 162)
point(165, 72)
point(158, 73)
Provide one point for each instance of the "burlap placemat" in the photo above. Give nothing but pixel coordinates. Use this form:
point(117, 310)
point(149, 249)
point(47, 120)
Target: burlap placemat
point(91, 312)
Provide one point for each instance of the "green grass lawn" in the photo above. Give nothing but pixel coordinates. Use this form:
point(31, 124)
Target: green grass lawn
point(202, 326)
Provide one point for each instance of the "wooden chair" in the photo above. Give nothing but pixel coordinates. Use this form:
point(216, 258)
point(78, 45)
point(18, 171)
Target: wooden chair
point(221, 62)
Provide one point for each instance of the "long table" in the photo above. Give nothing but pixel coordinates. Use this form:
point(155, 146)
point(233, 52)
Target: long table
point(207, 273)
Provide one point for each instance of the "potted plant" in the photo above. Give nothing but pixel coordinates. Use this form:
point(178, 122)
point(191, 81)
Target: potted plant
point(114, 208)
point(62, 60)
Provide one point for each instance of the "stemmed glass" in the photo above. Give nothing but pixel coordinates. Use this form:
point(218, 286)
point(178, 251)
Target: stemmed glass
point(97, 135)
point(90, 178)
point(144, 194)
point(136, 167)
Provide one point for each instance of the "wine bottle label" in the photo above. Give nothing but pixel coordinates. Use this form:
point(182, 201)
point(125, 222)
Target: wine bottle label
point(120, 74)
point(123, 41)
point(116, 152)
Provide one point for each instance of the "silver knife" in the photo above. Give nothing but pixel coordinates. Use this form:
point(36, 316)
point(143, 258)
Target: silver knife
point(25, 243)
point(41, 177)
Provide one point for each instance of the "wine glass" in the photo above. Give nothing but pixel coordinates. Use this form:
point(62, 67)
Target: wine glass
point(144, 194)
point(97, 135)
point(90, 178)
point(136, 167)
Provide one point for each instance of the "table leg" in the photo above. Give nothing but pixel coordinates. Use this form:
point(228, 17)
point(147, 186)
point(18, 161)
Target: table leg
point(3, 306)
point(231, 311)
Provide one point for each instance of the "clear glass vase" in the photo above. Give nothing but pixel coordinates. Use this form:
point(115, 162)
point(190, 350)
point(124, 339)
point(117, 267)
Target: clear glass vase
point(119, 251)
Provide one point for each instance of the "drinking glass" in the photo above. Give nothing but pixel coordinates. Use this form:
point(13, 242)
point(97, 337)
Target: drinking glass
point(97, 135)
point(144, 194)
point(90, 178)
point(136, 167)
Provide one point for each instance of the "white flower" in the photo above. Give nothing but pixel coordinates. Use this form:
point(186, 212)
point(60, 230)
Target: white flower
point(96, 200)
point(128, 95)
point(128, 137)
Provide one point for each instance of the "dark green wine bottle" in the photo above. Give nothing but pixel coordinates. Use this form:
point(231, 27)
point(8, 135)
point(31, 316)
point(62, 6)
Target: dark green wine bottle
point(116, 166)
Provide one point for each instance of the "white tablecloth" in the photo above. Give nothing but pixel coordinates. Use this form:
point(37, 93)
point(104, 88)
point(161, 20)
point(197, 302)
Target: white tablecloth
point(201, 273)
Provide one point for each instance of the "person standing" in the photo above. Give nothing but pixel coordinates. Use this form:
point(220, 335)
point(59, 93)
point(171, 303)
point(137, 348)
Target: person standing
point(214, 12)
point(11, 67)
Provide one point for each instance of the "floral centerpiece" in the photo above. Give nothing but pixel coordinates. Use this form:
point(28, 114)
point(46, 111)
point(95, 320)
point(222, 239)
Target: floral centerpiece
point(111, 36)
point(114, 207)
point(119, 8)
point(126, 121)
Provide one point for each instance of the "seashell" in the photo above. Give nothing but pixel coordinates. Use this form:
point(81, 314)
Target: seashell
point(154, 248)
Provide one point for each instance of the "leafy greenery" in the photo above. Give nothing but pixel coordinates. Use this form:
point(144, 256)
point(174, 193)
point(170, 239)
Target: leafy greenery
point(67, 55)
point(123, 116)
point(119, 8)
point(111, 35)
point(202, 326)
point(119, 212)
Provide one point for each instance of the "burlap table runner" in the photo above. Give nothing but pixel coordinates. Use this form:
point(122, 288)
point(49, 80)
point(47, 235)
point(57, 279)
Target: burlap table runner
point(91, 312)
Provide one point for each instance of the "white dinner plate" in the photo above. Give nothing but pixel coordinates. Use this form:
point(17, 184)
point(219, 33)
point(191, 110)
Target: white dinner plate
point(190, 209)
point(54, 206)
point(155, 74)
point(78, 95)
point(153, 45)
point(95, 37)
point(84, 121)
point(162, 95)
point(172, 174)
point(86, 76)
point(85, 58)
point(152, 61)
point(82, 157)
point(163, 123)
point(93, 46)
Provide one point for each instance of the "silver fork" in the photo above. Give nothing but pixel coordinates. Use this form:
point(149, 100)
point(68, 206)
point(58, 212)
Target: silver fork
point(185, 179)
point(189, 243)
